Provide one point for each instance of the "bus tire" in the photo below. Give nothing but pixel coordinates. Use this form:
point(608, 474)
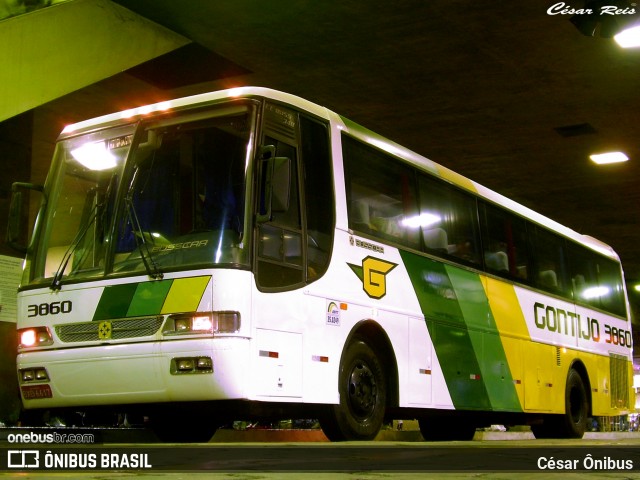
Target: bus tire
point(573, 423)
point(362, 388)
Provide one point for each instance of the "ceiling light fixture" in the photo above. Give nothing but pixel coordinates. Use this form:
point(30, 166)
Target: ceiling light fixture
point(609, 157)
point(629, 38)
point(604, 18)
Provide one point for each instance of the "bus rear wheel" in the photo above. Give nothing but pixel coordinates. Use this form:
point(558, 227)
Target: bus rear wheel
point(573, 423)
point(362, 387)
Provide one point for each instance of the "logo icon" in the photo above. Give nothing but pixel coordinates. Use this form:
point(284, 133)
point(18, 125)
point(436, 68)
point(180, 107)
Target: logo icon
point(373, 275)
point(333, 314)
point(104, 330)
point(23, 459)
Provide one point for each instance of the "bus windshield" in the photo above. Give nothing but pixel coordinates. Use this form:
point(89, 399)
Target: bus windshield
point(178, 203)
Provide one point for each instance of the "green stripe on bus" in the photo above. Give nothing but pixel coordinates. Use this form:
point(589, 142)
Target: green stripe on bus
point(449, 333)
point(149, 298)
point(115, 301)
point(485, 338)
point(464, 334)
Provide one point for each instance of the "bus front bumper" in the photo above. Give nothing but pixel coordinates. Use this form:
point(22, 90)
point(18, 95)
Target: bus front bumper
point(153, 372)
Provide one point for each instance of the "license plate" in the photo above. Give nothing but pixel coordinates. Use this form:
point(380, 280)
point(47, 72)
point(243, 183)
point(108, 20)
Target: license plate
point(32, 392)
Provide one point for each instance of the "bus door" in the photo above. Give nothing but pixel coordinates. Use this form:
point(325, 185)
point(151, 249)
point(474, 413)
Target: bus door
point(292, 242)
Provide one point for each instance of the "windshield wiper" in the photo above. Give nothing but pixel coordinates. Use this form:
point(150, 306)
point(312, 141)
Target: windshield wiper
point(96, 209)
point(139, 235)
point(56, 283)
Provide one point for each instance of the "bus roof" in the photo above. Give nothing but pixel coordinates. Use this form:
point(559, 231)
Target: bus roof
point(351, 128)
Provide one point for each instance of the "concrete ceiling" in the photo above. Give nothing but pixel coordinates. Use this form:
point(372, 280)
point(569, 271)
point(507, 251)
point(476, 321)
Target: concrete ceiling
point(485, 88)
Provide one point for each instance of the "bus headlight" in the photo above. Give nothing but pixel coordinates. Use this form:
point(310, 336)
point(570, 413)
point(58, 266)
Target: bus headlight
point(202, 323)
point(34, 337)
point(226, 322)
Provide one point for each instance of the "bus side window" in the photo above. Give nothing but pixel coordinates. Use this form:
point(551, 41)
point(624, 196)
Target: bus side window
point(550, 261)
point(505, 243)
point(596, 280)
point(381, 194)
point(280, 255)
point(448, 221)
point(318, 193)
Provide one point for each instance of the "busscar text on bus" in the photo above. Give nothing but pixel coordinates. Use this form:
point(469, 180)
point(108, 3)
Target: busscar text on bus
point(249, 254)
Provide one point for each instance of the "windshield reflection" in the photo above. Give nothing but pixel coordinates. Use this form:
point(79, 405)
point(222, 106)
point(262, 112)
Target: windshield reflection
point(170, 197)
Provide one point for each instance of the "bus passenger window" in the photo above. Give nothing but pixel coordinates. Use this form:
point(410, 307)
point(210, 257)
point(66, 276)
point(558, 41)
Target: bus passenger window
point(549, 261)
point(448, 221)
point(505, 243)
point(381, 196)
point(596, 280)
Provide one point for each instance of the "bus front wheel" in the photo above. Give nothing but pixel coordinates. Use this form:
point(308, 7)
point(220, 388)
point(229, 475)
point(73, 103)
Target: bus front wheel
point(362, 388)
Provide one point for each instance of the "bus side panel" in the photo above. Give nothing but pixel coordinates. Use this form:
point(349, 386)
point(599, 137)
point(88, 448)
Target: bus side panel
point(420, 381)
point(465, 335)
point(513, 330)
point(563, 334)
point(377, 288)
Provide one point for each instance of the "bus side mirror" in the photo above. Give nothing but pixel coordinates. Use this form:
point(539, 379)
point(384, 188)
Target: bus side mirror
point(275, 184)
point(16, 208)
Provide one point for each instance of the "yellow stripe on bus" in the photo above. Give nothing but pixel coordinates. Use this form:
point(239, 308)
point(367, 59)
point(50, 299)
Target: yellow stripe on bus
point(456, 178)
point(512, 326)
point(185, 294)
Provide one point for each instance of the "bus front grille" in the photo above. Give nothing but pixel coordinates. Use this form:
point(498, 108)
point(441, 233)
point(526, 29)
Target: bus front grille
point(117, 329)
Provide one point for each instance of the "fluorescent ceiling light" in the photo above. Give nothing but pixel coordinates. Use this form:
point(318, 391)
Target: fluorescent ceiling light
point(94, 156)
point(422, 220)
point(629, 38)
point(595, 292)
point(609, 157)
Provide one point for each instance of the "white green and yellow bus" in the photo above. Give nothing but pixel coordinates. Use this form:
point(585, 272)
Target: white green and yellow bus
point(247, 253)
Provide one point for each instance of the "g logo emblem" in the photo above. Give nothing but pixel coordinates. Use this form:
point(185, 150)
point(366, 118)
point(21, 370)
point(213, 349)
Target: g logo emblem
point(373, 275)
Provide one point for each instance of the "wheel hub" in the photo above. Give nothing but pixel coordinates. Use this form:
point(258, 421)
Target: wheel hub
point(362, 390)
